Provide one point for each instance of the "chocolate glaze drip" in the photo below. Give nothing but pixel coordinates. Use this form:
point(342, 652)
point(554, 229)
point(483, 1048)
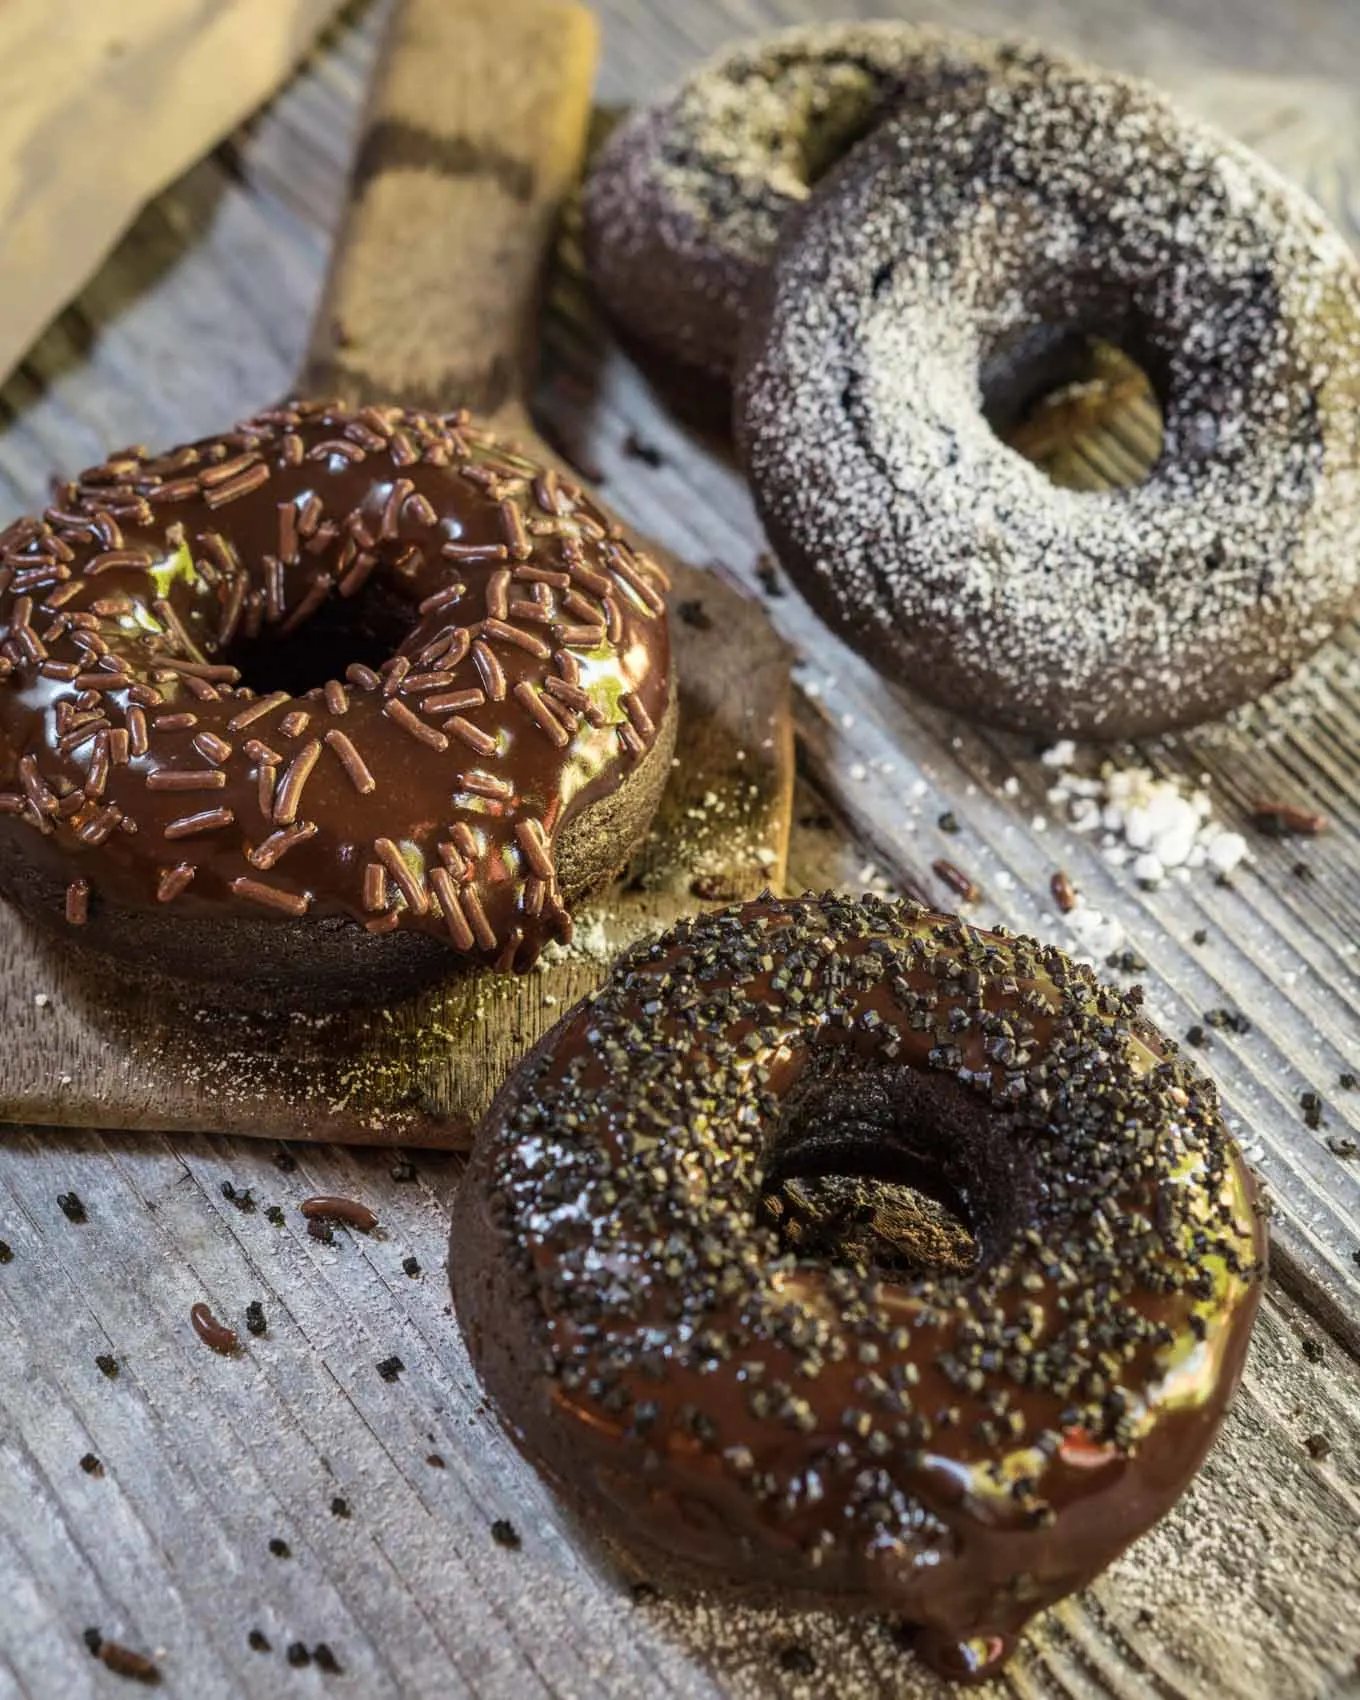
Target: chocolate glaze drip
point(961, 1447)
point(465, 653)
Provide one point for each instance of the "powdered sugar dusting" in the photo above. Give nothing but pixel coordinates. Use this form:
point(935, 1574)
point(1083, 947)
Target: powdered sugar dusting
point(1075, 199)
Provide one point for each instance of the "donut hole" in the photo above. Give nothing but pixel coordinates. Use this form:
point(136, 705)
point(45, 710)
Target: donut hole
point(366, 628)
point(892, 1170)
point(1080, 406)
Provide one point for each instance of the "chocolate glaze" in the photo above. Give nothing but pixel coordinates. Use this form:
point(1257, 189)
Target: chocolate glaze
point(468, 655)
point(963, 1447)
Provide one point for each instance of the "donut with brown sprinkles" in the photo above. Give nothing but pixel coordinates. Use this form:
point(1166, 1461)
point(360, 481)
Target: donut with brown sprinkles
point(326, 704)
point(959, 1441)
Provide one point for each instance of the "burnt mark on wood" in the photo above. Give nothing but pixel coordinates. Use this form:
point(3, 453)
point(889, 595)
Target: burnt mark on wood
point(395, 144)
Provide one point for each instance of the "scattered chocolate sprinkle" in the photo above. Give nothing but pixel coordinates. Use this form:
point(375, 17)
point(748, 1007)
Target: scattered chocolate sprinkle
point(258, 1641)
point(1311, 1349)
point(71, 1207)
point(324, 1659)
point(297, 1655)
point(638, 448)
point(295, 903)
point(505, 1534)
point(390, 1368)
point(212, 1332)
point(1284, 820)
point(960, 883)
point(107, 1365)
point(434, 1461)
point(350, 1210)
point(1063, 894)
point(1197, 1037)
point(91, 1465)
point(255, 1321)
point(241, 1197)
point(280, 1548)
point(1311, 1105)
point(125, 1661)
point(410, 1266)
point(403, 1169)
point(339, 1506)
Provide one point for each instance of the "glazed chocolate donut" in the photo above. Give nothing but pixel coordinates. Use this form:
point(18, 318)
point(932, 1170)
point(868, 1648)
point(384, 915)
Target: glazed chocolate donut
point(962, 1443)
point(937, 280)
point(324, 706)
point(684, 205)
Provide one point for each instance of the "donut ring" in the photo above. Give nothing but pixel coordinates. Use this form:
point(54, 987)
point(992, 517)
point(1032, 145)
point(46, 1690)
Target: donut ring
point(684, 206)
point(961, 1446)
point(457, 711)
point(932, 273)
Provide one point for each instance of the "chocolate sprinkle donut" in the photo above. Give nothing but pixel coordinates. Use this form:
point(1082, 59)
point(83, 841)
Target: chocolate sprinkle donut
point(325, 705)
point(963, 1445)
point(939, 279)
point(684, 206)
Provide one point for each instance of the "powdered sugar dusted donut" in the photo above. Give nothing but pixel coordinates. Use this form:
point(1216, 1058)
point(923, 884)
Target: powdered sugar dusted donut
point(684, 207)
point(927, 274)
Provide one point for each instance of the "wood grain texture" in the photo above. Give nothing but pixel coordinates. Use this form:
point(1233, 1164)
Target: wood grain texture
point(1247, 1590)
point(470, 144)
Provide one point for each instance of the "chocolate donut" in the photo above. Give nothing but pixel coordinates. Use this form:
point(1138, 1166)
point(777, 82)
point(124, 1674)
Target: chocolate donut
point(319, 708)
point(961, 1443)
point(684, 205)
point(939, 279)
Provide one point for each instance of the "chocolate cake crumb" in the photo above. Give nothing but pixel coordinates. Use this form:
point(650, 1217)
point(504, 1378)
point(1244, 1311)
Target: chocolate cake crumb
point(1311, 1105)
point(411, 1266)
point(1312, 1349)
point(242, 1200)
point(258, 1641)
point(280, 1548)
point(125, 1661)
point(93, 1640)
point(1347, 1081)
point(1200, 935)
point(273, 1214)
point(948, 821)
point(390, 1368)
point(91, 1465)
point(638, 448)
point(434, 1461)
point(340, 1506)
point(321, 1230)
point(1197, 1037)
point(255, 1322)
point(6, 1252)
point(71, 1207)
point(298, 1655)
point(107, 1365)
point(325, 1660)
point(1318, 1446)
point(506, 1535)
point(1229, 1020)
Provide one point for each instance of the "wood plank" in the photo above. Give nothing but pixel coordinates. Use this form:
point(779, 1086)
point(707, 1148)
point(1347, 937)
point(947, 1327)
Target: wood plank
point(1247, 1590)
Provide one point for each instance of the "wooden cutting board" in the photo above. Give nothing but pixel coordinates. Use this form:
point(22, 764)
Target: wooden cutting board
point(472, 144)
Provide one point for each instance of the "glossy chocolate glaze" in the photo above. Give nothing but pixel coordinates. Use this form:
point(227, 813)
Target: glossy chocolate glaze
point(962, 1448)
point(519, 673)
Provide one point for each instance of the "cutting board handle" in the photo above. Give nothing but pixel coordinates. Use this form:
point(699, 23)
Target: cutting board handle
point(474, 136)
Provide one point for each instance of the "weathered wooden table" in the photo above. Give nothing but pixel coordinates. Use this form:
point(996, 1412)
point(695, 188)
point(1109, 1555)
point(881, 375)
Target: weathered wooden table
point(230, 1515)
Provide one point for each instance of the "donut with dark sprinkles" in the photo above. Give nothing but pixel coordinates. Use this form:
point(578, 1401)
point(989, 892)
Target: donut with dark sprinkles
point(237, 677)
point(958, 1428)
point(955, 268)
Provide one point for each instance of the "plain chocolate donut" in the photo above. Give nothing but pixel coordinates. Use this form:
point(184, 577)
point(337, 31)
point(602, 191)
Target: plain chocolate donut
point(955, 255)
point(321, 708)
point(684, 205)
point(961, 1444)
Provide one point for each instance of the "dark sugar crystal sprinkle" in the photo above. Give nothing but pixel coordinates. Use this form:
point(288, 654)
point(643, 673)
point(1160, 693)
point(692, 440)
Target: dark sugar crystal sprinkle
point(255, 1322)
point(411, 1266)
point(280, 1548)
point(91, 1465)
point(297, 1655)
point(71, 1207)
point(390, 1368)
point(107, 1365)
point(797, 1660)
point(258, 1641)
point(505, 1534)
